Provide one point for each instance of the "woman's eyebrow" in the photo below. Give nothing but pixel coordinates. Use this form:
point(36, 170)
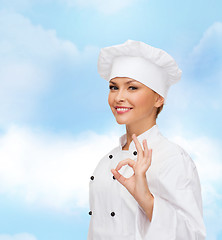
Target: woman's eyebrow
point(131, 81)
point(112, 82)
point(128, 82)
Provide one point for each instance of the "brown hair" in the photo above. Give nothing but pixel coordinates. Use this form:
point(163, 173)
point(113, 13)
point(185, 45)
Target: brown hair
point(158, 110)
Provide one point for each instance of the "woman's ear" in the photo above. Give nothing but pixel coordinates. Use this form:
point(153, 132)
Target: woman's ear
point(159, 101)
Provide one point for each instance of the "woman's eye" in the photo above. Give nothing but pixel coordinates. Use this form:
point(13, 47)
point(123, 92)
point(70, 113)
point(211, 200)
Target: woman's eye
point(113, 87)
point(133, 88)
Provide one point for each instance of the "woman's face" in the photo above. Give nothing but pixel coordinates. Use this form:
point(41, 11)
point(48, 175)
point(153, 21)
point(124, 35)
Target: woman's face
point(132, 102)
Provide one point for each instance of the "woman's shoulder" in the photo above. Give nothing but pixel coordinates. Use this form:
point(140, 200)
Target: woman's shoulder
point(172, 152)
point(168, 146)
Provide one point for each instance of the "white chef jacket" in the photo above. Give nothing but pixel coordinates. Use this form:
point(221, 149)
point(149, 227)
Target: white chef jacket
point(172, 179)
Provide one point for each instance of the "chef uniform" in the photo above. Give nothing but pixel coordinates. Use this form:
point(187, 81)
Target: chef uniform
point(172, 177)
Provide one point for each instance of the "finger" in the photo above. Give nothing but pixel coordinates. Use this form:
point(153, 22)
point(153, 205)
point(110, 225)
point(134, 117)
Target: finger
point(120, 178)
point(147, 153)
point(146, 150)
point(124, 162)
point(138, 145)
point(150, 156)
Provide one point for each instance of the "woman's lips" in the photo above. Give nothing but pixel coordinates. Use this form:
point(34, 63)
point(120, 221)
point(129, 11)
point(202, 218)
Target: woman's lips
point(121, 110)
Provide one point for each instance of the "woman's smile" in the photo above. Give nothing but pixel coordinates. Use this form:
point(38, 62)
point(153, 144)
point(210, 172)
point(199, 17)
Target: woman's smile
point(121, 109)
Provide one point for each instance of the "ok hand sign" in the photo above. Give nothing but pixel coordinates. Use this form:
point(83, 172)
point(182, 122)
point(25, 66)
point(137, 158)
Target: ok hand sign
point(137, 183)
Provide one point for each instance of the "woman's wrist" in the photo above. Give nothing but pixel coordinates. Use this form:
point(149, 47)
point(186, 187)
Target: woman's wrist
point(147, 205)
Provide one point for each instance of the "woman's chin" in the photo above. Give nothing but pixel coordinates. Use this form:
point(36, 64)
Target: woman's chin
point(121, 121)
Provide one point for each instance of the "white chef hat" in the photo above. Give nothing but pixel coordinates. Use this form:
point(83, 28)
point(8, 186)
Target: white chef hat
point(137, 60)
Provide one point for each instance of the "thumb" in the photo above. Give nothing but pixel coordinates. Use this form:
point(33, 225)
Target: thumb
point(120, 178)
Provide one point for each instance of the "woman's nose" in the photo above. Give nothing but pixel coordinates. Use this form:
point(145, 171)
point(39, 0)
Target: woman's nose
point(120, 96)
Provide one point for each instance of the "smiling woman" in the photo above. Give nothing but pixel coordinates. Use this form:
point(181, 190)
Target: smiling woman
point(141, 102)
point(147, 188)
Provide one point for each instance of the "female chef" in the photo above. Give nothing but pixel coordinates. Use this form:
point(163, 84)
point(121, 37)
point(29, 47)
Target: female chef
point(147, 188)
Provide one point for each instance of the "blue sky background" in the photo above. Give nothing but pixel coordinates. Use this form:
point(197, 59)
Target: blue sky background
point(55, 123)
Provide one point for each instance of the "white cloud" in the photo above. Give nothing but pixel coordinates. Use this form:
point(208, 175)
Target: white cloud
point(20, 236)
point(210, 44)
point(206, 58)
point(50, 170)
point(21, 39)
point(30, 59)
point(53, 170)
point(201, 84)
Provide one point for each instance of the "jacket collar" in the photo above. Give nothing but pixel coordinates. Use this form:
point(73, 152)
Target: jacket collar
point(151, 135)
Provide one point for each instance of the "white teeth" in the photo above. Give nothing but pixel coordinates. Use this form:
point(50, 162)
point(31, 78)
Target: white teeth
point(122, 109)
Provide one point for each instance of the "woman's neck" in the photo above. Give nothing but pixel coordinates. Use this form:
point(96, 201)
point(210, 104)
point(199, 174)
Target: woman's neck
point(136, 129)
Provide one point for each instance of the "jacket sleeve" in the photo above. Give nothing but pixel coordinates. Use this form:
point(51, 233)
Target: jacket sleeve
point(177, 211)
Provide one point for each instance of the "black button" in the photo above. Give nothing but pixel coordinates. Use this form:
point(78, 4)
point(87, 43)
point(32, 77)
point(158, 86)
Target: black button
point(135, 153)
point(90, 213)
point(114, 178)
point(92, 177)
point(110, 156)
point(112, 214)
